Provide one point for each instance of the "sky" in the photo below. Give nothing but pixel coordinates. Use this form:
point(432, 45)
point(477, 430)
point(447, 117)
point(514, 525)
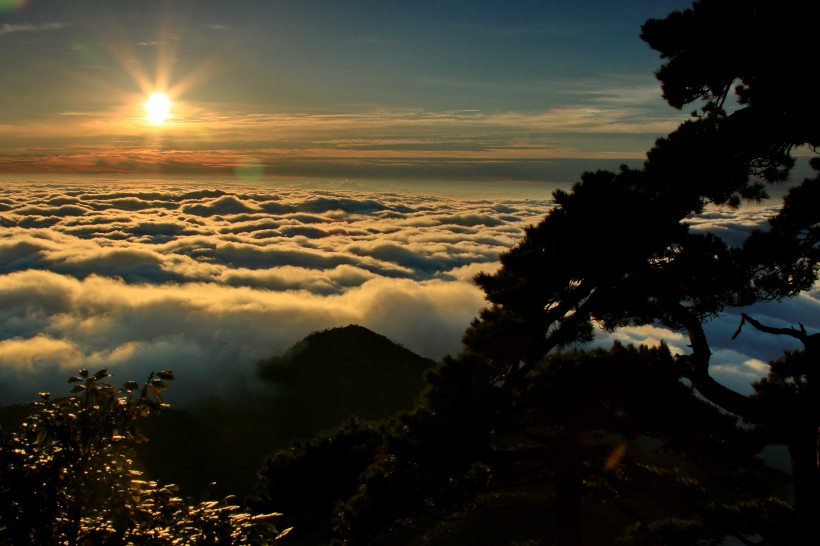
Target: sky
point(320, 164)
point(378, 89)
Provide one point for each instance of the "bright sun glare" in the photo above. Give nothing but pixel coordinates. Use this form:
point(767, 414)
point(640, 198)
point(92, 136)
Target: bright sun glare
point(158, 107)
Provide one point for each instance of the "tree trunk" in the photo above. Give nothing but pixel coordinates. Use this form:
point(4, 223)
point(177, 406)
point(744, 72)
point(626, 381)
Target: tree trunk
point(569, 489)
point(803, 451)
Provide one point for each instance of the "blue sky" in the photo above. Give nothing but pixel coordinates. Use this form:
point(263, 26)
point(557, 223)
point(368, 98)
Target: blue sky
point(371, 89)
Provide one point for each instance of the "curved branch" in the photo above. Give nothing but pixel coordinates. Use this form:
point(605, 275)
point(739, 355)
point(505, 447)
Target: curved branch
point(559, 336)
point(800, 334)
point(698, 370)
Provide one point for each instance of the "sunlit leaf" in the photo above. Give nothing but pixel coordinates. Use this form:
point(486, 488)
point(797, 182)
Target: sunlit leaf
point(263, 517)
point(73, 449)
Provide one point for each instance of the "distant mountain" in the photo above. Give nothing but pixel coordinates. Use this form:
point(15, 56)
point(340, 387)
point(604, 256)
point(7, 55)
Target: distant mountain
point(317, 384)
point(345, 371)
point(12, 416)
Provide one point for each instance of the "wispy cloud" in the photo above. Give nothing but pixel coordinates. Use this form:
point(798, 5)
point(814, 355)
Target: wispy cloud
point(402, 143)
point(10, 28)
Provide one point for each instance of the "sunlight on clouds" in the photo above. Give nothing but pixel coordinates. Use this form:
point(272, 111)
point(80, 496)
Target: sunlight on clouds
point(39, 353)
point(428, 317)
point(249, 144)
point(730, 367)
point(647, 334)
point(737, 371)
point(326, 282)
point(206, 278)
point(203, 280)
point(113, 324)
point(730, 226)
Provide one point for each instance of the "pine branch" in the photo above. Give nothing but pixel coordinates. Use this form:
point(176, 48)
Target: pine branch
point(800, 334)
point(697, 364)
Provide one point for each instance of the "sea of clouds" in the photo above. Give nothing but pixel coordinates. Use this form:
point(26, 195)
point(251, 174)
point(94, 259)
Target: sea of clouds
point(207, 278)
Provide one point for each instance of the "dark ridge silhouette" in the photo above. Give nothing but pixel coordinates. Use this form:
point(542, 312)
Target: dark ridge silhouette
point(316, 385)
point(339, 372)
point(12, 416)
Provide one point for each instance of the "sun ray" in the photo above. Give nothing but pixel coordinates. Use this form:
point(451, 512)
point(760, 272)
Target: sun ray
point(159, 86)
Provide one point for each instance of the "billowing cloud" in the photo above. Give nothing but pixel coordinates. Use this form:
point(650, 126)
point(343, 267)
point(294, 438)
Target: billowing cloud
point(207, 280)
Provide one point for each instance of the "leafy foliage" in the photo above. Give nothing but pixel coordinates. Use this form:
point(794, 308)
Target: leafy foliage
point(67, 476)
point(617, 249)
point(755, 52)
point(568, 442)
point(784, 259)
point(308, 480)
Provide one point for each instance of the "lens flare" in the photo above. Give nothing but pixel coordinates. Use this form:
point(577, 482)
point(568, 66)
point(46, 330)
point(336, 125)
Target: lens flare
point(158, 107)
point(13, 5)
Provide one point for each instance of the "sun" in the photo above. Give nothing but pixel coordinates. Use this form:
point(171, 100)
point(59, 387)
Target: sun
point(158, 107)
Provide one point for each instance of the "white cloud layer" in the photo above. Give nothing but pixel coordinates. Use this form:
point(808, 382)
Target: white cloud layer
point(207, 279)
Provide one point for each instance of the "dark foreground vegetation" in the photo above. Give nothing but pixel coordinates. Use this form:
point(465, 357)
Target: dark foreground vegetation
point(517, 440)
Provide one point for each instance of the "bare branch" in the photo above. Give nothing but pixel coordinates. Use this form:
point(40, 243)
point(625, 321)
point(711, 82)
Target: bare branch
point(800, 334)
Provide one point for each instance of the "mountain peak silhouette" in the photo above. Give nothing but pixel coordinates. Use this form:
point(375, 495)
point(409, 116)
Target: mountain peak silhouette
point(348, 370)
